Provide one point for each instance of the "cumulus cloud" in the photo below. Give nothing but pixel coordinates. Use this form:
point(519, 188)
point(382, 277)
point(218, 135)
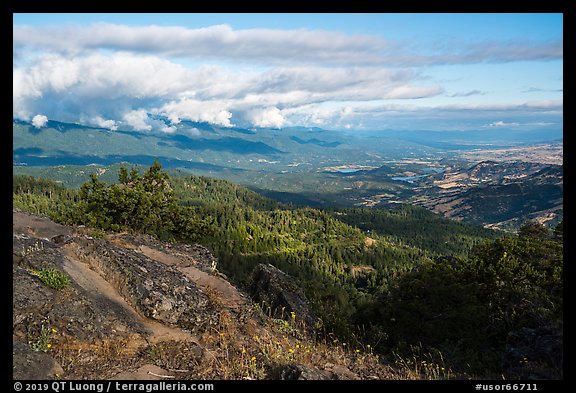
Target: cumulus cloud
point(138, 120)
point(103, 123)
point(117, 74)
point(174, 119)
point(267, 117)
point(211, 111)
point(96, 85)
point(39, 121)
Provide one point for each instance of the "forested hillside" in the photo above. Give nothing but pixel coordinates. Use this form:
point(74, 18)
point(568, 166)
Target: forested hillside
point(401, 282)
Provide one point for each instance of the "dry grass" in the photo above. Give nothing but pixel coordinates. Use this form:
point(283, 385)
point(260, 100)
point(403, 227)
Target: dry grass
point(259, 352)
point(246, 343)
point(250, 351)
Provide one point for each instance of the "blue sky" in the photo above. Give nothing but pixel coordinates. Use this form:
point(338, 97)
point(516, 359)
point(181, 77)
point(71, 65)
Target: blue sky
point(335, 71)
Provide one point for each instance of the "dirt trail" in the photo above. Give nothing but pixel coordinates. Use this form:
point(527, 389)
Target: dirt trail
point(105, 295)
point(227, 294)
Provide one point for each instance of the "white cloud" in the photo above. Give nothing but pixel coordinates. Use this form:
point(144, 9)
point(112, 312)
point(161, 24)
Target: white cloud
point(103, 123)
point(467, 93)
point(39, 121)
point(174, 119)
point(138, 120)
point(313, 115)
point(214, 111)
point(514, 50)
point(120, 89)
point(168, 129)
point(96, 75)
point(267, 117)
point(499, 123)
point(218, 41)
point(192, 131)
point(273, 45)
point(347, 111)
point(406, 92)
point(114, 76)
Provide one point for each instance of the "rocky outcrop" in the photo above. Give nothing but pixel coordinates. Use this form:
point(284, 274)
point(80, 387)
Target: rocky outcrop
point(155, 290)
point(29, 297)
point(118, 301)
point(138, 308)
point(183, 255)
point(273, 288)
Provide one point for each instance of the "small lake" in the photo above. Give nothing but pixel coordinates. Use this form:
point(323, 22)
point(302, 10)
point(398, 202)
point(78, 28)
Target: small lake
point(432, 169)
point(408, 179)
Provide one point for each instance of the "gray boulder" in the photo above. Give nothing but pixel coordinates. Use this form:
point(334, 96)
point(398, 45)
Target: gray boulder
point(30, 365)
point(273, 288)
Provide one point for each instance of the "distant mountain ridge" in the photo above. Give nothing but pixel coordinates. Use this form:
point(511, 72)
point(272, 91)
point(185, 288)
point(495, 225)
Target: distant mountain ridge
point(191, 142)
point(317, 167)
point(233, 147)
